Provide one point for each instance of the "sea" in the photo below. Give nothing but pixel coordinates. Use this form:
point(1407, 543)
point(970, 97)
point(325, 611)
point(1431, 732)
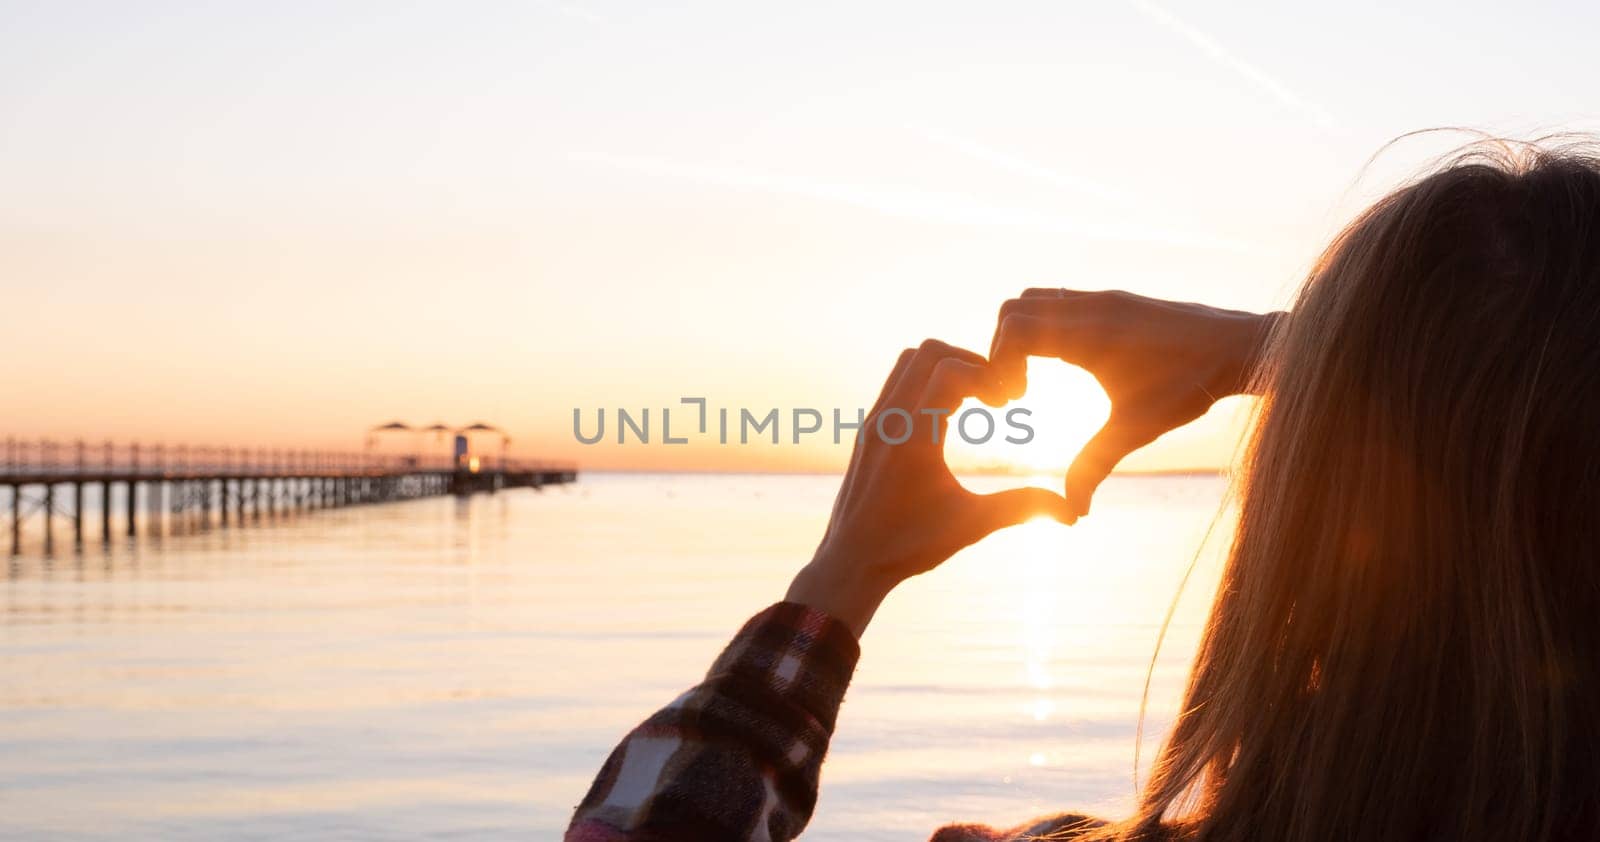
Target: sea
point(459, 668)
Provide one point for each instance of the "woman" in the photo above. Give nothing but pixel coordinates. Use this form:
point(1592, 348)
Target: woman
point(1405, 643)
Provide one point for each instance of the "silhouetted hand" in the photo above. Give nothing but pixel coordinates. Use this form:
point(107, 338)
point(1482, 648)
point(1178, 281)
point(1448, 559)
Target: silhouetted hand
point(1162, 363)
point(899, 511)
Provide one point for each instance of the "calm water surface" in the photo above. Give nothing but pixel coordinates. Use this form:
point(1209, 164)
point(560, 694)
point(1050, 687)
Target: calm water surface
point(459, 669)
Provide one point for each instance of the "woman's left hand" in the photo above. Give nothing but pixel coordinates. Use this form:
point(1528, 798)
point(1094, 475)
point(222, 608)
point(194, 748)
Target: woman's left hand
point(899, 511)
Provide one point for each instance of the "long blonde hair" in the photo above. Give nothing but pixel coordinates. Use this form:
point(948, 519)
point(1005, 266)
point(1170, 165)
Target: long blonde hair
point(1405, 643)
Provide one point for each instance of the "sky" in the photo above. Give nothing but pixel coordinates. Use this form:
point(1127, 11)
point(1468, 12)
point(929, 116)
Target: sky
point(277, 225)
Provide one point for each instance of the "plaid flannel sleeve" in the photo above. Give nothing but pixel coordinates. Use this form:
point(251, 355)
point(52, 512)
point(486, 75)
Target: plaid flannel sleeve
point(737, 757)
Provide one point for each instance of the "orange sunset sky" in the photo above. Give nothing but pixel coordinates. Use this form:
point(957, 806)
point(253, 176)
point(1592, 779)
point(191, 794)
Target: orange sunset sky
point(280, 225)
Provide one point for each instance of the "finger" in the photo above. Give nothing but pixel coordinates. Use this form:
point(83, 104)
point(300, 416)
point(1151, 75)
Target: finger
point(892, 386)
point(1049, 292)
point(900, 365)
point(847, 489)
point(1096, 461)
point(1012, 307)
point(1019, 505)
point(955, 379)
point(908, 391)
point(1070, 334)
point(1018, 337)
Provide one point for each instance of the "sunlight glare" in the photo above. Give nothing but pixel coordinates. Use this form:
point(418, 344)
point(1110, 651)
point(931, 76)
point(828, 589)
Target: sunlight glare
point(1066, 406)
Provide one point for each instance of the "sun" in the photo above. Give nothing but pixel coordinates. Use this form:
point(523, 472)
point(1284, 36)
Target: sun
point(1064, 406)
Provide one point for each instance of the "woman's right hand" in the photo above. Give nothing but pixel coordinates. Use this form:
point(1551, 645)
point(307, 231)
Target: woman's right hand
point(900, 512)
point(1162, 363)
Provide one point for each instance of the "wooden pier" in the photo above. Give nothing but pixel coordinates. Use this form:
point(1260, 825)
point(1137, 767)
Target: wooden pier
point(193, 489)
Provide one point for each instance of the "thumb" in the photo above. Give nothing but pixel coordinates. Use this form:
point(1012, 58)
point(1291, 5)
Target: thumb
point(1095, 461)
point(1016, 505)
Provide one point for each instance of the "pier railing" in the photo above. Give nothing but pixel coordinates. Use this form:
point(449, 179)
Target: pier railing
point(49, 458)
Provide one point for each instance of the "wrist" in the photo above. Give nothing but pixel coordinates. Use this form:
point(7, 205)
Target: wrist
point(841, 589)
point(1244, 340)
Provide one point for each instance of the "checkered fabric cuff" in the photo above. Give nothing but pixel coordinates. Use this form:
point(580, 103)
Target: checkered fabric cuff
point(738, 756)
point(797, 651)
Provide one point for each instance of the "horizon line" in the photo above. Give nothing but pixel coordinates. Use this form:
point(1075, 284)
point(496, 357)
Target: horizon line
point(1132, 473)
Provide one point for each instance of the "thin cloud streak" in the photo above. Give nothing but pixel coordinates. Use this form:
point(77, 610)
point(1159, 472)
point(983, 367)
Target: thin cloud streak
point(926, 206)
point(1211, 47)
point(1011, 163)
